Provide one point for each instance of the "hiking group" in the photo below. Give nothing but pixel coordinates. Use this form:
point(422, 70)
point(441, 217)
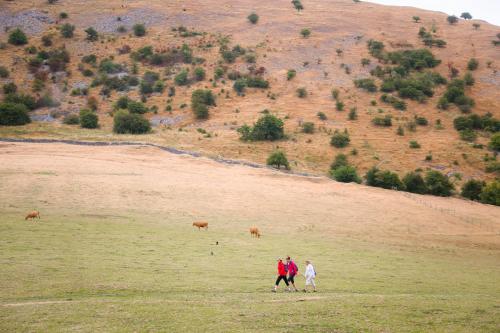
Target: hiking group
point(287, 272)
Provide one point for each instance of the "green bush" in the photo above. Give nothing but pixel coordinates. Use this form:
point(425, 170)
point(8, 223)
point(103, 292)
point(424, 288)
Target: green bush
point(12, 114)
point(413, 182)
point(139, 30)
point(137, 107)
point(473, 64)
point(438, 184)
point(353, 114)
point(384, 179)
point(129, 123)
point(472, 189)
point(268, 127)
point(339, 161)
point(67, 30)
point(366, 84)
point(88, 119)
point(468, 135)
point(200, 101)
point(301, 92)
point(414, 144)
point(322, 116)
point(92, 34)
point(9, 88)
point(339, 106)
point(494, 143)
point(452, 19)
point(181, 79)
point(18, 37)
point(308, 127)
point(278, 159)
point(71, 119)
point(253, 18)
point(291, 74)
point(305, 32)
point(240, 85)
point(340, 139)
point(491, 193)
point(469, 79)
point(4, 72)
point(26, 100)
point(466, 16)
point(346, 174)
point(385, 121)
point(421, 121)
point(199, 74)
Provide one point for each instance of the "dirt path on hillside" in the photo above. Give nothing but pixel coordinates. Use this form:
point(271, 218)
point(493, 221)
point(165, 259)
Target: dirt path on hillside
point(113, 180)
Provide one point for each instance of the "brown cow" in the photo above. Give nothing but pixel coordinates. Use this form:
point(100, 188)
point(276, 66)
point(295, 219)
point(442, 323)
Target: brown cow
point(32, 215)
point(254, 231)
point(201, 225)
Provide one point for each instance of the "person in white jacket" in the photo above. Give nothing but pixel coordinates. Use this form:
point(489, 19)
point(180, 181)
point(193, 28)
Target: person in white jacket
point(310, 275)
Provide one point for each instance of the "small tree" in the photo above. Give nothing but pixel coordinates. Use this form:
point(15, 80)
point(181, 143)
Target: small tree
point(12, 114)
point(495, 142)
point(473, 64)
point(301, 92)
point(414, 183)
point(18, 37)
point(4, 72)
point(137, 107)
point(346, 174)
point(139, 30)
point(340, 139)
point(129, 123)
point(199, 74)
point(305, 32)
point(291, 74)
point(253, 18)
point(466, 16)
point(88, 119)
point(308, 127)
point(472, 189)
point(92, 34)
point(200, 101)
point(278, 159)
point(67, 30)
point(491, 193)
point(181, 79)
point(452, 19)
point(416, 19)
point(438, 184)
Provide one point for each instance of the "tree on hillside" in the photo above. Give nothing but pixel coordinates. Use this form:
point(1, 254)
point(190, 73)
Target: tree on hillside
point(18, 37)
point(452, 19)
point(92, 34)
point(466, 16)
point(305, 32)
point(253, 18)
point(278, 159)
point(416, 19)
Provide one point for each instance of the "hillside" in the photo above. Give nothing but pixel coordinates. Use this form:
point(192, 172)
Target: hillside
point(330, 58)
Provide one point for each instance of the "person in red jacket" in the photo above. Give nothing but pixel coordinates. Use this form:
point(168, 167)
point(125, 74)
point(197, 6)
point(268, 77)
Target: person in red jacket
point(292, 270)
point(281, 276)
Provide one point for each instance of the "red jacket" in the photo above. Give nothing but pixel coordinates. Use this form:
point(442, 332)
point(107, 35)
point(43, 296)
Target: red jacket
point(281, 268)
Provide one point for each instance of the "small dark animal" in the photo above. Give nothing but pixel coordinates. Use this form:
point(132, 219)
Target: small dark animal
point(33, 215)
point(201, 225)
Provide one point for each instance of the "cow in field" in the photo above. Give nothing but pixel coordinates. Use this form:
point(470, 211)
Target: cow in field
point(32, 215)
point(201, 225)
point(254, 232)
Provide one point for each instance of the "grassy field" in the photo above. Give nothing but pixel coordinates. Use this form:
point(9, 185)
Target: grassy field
point(137, 274)
point(88, 268)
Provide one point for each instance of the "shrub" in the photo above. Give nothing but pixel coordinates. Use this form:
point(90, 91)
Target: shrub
point(9, 88)
point(256, 82)
point(240, 85)
point(199, 74)
point(473, 64)
point(92, 34)
point(88, 119)
point(416, 19)
point(452, 19)
point(414, 144)
point(18, 37)
point(298, 5)
point(438, 184)
point(122, 102)
point(57, 60)
point(413, 182)
point(421, 121)
point(63, 15)
point(494, 143)
point(137, 107)
point(278, 159)
point(396, 103)
point(89, 59)
point(366, 84)
point(468, 135)
point(181, 79)
point(353, 114)
point(301, 92)
point(253, 18)
point(472, 189)
point(109, 67)
point(466, 16)
point(346, 174)
point(339, 161)
point(384, 179)
point(71, 119)
point(321, 116)
point(146, 88)
point(491, 193)
point(130, 123)
point(340, 139)
point(335, 93)
point(339, 106)
point(12, 114)
point(469, 79)
point(365, 62)
point(67, 30)
point(268, 127)
point(308, 127)
point(385, 121)
point(26, 100)
point(4, 72)
point(291, 74)
point(305, 32)
point(200, 101)
point(139, 30)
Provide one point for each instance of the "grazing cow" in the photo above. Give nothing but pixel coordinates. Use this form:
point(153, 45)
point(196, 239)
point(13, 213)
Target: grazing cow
point(254, 231)
point(201, 225)
point(32, 215)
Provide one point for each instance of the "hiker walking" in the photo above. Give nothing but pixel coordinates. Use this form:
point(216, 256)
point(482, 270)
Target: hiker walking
point(310, 275)
point(281, 276)
point(292, 270)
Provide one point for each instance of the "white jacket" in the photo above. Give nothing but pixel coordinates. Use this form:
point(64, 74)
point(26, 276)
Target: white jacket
point(310, 272)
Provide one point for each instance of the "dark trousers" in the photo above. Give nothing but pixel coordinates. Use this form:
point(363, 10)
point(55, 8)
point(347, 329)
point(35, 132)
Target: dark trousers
point(281, 277)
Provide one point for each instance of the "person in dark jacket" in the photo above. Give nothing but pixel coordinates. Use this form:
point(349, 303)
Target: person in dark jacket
point(292, 270)
point(281, 276)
